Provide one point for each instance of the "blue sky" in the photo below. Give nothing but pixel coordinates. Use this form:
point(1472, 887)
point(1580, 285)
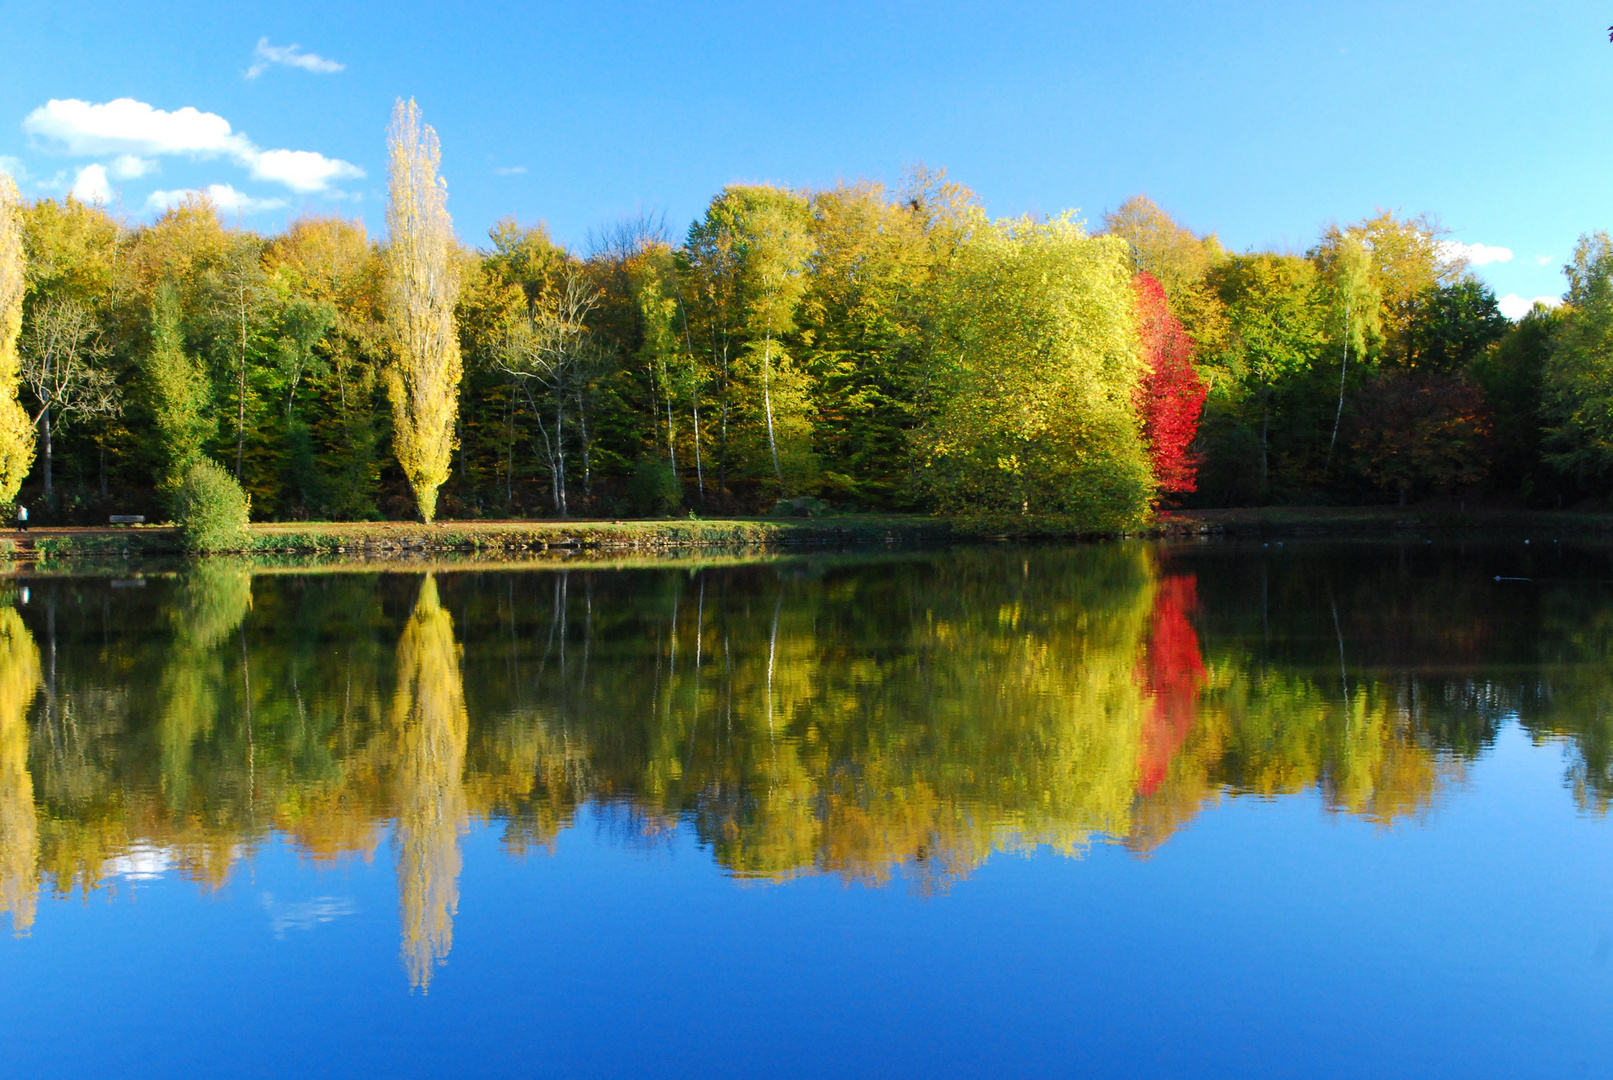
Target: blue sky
point(1260, 121)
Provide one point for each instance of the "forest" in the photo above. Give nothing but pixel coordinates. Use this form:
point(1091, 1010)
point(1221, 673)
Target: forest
point(857, 348)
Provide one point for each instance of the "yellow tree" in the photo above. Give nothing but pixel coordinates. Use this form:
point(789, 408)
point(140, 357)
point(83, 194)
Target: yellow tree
point(1179, 259)
point(777, 243)
point(422, 287)
point(431, 727)
point(16, 430)
point(19, 827)
point(1033, 365)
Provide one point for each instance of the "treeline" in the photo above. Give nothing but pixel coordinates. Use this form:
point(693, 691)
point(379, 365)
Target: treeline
point(871, 348)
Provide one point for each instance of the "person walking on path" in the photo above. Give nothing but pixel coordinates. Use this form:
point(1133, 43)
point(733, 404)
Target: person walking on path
point(22, 518)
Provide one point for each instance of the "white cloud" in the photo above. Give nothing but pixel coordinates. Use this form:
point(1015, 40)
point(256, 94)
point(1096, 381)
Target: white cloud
point(130, 167)
point(223, 196)
point(91, 185)
point(510, 170)
point(13, 168)
point(132, 128)
point(1477, 254)
point(302, 170)
point(1516, 307)
point(142, 863)
point(1542, 260)
point(127, 126)
point(308, 914)
point(289, 56)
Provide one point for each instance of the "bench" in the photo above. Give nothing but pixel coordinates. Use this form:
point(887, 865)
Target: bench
point(128, 519)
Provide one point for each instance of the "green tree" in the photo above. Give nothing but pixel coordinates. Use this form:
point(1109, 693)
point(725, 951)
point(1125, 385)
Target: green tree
point(663, 353)
point(1577, 381)
point(331, 262)
point(775, 247)
point(710, 266)
point(1034, 367)
point(1452, 325)
point(1347, 269)
point(1276, 316)
point(1510, 373)
point(876, 256)
point(177, 389)
point(1409, 257)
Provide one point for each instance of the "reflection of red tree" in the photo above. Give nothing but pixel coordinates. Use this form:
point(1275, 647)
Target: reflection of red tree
point(1170, 396)
point(1170, 674)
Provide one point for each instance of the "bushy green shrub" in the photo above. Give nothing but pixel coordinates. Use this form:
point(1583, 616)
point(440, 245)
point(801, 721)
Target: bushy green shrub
point(654, 489)
point(211, 509)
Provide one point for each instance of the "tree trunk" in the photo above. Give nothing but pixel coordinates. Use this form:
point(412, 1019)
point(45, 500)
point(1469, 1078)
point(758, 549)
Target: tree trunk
point(44, 432)
point(767, 406)
point(699, 466)
point(722, 430)
point(671, 434)
point(509, 459)
point(587, 450)
point(560, 451)
point(1265, 424)
point(1339, 412)
point(240, 400)
point(694, 398)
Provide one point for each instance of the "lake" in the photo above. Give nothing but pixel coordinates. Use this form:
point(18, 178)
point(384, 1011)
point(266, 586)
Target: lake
point(1133, 809)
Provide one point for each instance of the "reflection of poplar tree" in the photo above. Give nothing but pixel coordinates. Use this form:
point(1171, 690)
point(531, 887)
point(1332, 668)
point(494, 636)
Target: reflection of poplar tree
point(19, 830)
point(430, 725)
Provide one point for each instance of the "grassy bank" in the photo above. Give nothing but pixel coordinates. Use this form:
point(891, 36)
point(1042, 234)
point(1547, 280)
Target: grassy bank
point(630, 540)
point(396, 539)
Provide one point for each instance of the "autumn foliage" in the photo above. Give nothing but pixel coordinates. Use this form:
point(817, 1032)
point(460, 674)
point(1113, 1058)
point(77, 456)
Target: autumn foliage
point(1170, 674)
point(1418, 433)
point(1170, 397)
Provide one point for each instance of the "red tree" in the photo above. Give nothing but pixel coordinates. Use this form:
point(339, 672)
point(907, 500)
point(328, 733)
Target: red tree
point(1170, 396)
point(1170, 673)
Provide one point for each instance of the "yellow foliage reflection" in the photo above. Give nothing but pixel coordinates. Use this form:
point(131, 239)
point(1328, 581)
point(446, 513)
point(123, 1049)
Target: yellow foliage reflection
point(430, 727)
point(897, 719)
point(19, 826)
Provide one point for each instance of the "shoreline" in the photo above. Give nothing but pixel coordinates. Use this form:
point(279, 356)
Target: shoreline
point(379, 541)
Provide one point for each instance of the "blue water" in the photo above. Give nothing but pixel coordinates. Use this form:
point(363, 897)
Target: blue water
point(1268, 935)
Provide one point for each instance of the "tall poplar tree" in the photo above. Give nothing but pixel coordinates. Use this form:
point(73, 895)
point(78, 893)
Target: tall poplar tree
point(177, 388)
point(422, 286)
point(16, 430)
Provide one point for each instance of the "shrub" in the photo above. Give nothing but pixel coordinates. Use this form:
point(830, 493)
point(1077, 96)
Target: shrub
point(211, 509)
point(654, 489)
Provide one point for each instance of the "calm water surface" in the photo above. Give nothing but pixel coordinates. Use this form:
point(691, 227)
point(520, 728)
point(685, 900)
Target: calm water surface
point(1123, 810)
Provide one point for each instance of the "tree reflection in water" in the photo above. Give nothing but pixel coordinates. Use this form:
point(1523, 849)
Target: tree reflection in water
point(429, 725)
point(19, 828)
point(874, 718)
